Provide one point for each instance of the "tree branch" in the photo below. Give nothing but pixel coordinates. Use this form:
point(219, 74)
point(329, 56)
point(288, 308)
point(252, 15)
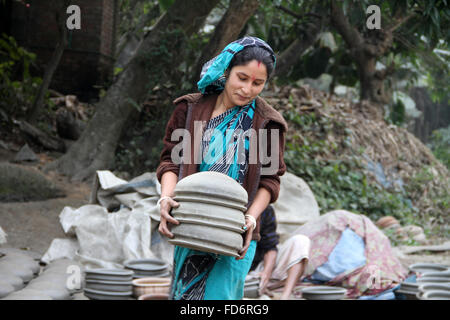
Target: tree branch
point(296, 15)
point(351, 36)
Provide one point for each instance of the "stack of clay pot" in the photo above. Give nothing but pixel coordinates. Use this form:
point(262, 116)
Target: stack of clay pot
point(429, 277)
point(58, 281)
point(108, 284)
point(387, 222)
point(211, 213)
point(251, 288)
point(143, 268)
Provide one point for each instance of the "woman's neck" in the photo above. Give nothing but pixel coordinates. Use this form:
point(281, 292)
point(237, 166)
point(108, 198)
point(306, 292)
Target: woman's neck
point(222, 103)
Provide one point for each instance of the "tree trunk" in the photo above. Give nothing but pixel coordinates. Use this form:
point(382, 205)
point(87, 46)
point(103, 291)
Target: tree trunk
point(295, 50)
point(38, 103)
point(95, 149)
point(366, 49)
point(228, 29)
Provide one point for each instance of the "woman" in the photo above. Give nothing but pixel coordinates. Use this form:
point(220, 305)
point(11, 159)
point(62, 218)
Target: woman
point(229, 85)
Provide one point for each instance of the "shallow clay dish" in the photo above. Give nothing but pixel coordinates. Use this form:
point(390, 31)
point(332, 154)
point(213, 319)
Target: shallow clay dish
point(436, 295)
point(427, 267)
point(323, 293)
point(106, 295)
point(109, 274)
point(115, 286)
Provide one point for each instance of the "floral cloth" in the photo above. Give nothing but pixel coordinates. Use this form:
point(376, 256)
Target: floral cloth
point(382, 270)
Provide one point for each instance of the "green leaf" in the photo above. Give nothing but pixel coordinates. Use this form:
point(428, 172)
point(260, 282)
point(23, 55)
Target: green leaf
point(165, 4)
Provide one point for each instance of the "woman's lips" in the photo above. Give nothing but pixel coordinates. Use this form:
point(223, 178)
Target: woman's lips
point(241, 97)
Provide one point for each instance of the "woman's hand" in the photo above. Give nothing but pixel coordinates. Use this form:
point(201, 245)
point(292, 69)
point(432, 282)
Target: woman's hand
point(165, 206)
point(247, 240)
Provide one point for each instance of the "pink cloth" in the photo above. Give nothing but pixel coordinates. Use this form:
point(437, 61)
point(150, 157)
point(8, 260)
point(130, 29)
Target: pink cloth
point(382, 270)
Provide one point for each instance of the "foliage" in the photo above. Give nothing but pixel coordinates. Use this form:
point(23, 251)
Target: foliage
point(17, 86)
point(340, 183)
point(440, 145)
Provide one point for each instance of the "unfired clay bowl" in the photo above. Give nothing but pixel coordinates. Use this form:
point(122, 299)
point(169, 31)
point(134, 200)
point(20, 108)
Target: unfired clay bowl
point(106, 295)
point(427, 267)
point(114, 286)
point(436, 295)
point(109, 274)
point(211, 213)
point(323, 293)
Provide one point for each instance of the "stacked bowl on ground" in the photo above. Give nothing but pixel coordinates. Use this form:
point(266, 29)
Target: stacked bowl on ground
point(211, 213)
point(143, 268)
point(432, 282)
point(108, 284)
point(151, 278)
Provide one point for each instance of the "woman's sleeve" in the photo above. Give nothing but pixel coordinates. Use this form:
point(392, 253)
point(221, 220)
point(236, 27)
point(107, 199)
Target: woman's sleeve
point(272, 182)
point(176, 121)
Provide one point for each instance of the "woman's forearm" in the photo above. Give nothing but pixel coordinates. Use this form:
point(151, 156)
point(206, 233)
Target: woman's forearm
point(168, 182)
point(260, 203)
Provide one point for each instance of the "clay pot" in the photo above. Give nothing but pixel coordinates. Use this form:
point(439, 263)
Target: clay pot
point(387, 222)
point(323, 293)
point(143, 268)
point(109, 274)
point(436, 295)
point(421, 268)
point(151, 285)
point(106, 295)
point(251, 289)
point(152, 296)
point(110, 286)
point(211, 213)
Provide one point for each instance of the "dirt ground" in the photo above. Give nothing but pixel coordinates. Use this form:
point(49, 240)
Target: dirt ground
point(33, 225)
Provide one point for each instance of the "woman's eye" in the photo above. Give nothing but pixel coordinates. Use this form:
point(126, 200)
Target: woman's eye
point(242, 79)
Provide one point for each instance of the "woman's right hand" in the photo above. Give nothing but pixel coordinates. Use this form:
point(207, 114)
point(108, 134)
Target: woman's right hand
point(165, 206)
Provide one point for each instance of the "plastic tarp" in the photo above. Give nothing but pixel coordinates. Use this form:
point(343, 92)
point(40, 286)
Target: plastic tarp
point(118, 224)
point(2, 236)
point(295, 205)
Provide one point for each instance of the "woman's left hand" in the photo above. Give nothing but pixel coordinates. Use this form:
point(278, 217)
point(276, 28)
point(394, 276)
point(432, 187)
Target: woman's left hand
point(247, 240)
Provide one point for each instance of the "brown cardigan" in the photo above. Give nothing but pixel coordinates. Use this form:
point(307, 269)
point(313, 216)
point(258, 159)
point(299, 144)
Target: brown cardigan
point(195, 107)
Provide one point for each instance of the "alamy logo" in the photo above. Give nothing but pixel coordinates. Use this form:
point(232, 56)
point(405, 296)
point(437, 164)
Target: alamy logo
point(374, 20)
point(74, 20)
point(259, 148)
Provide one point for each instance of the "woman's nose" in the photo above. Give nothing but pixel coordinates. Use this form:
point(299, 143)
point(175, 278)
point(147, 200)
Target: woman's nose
point(246, 89)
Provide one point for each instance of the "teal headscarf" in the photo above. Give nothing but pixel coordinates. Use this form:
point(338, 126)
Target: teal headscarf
point(212, 78)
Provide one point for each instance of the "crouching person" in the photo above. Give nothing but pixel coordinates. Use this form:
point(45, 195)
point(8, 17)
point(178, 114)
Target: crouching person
point(283, 263)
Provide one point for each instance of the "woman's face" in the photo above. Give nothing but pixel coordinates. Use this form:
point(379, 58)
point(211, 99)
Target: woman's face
point(245, 82)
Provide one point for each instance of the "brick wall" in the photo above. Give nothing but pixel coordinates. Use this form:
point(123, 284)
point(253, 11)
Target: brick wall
point(87, 60)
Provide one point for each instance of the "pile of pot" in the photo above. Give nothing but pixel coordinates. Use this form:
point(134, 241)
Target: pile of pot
point(108, 284)
point(211, 213)
point(433, 281)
